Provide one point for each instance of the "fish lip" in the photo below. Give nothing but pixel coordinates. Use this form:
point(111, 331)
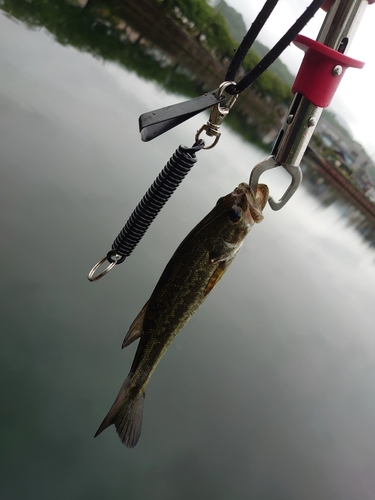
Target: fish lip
point(254, 212)
point(245, 202)
point(254, 208)
point(253, 215)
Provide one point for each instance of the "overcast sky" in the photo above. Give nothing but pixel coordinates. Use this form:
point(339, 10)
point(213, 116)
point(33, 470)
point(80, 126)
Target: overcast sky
point(353, 100)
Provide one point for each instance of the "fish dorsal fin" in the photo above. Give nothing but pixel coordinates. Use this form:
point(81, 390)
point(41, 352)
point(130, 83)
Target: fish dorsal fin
point(136, 328)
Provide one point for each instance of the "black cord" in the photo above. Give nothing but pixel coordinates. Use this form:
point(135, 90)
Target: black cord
point(249, 39)
point(275, 52)
point(184, 158)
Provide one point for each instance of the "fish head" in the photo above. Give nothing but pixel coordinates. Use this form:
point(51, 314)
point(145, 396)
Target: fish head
point(234, 216)
point(240, 210)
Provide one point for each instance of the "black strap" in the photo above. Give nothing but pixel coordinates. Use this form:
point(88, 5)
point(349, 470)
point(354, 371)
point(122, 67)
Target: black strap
point(184, 158)
point(274, 53)
point(249, 39)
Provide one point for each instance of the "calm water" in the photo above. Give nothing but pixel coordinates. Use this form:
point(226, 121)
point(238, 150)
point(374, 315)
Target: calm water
point(268, 393)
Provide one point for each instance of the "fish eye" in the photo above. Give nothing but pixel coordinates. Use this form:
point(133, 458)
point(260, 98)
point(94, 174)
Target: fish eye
point(234, 214)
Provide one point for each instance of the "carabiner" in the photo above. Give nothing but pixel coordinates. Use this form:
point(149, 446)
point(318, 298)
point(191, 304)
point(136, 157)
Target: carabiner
point(217, 115)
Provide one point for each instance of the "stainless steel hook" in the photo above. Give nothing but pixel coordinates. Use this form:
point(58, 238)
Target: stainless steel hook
point(268, 164)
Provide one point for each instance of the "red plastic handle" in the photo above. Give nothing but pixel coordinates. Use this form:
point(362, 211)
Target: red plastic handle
point(316, 78)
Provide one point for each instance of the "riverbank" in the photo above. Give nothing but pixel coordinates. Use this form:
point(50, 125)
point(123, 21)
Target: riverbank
point(139, 36)
point(357, 197)
point(150, 24)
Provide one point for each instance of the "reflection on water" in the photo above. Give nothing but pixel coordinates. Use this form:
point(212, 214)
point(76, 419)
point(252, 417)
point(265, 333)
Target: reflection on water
point(318, 186)
point(106, 37)
point(269, 390)
point(116, 32)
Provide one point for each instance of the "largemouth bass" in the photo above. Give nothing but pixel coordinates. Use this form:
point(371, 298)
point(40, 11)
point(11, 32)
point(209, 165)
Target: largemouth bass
point(194, 269)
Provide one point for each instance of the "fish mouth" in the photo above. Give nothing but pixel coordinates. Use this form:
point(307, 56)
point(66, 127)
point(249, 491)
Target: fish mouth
point(249, 204)
point(254, 203)
point(253, 214)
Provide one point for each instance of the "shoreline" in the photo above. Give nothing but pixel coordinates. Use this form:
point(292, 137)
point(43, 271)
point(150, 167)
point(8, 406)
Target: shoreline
point(185, 50)
point(207, 70)
point(336, 179)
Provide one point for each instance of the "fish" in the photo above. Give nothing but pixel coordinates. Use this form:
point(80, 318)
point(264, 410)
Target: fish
point(195, 268)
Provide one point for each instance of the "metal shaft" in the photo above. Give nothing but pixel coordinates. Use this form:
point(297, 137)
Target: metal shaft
point(337, 31)
point(341, 23)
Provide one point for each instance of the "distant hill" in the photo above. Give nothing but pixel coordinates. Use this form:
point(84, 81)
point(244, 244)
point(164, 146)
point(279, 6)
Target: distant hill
point(234, 20)
point(237, 29)
point(337, 122)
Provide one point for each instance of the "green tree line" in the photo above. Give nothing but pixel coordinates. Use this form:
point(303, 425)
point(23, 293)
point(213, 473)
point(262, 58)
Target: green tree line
point(93, 30)
point(212, 24)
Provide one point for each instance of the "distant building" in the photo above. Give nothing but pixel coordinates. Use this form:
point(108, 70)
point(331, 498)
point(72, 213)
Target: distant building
point(351, 152)
point(371, 194)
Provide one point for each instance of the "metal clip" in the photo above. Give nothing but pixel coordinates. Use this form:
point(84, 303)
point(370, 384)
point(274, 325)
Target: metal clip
point(155, 123)
point(293, 170)
point(217, 116)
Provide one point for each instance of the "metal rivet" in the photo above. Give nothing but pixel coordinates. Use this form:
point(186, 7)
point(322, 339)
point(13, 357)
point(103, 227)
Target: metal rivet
point(289, 119)
point(337, 70)
point(311, 122)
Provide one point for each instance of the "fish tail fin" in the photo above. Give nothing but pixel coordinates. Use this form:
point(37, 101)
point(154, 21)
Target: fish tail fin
point(126, 415)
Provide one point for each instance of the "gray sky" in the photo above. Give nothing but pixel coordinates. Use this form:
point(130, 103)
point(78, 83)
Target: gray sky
point(353, 100)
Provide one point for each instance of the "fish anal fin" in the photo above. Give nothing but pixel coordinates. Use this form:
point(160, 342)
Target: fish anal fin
point(126, 415)
point(135, 329)
point(215, 277)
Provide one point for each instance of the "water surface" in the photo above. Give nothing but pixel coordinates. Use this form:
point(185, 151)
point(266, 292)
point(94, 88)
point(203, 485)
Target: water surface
point(269, 390)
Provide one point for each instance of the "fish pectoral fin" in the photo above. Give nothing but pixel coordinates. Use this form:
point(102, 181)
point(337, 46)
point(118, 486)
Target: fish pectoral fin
point(215, 277)
point(136, 328)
